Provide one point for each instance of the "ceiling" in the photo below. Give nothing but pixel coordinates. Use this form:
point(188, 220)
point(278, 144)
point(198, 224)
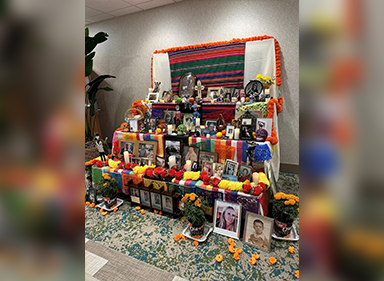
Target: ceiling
point(99, 10)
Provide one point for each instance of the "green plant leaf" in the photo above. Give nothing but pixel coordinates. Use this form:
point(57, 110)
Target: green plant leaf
point(107, 89)
point(89, 63)
point(87, 32)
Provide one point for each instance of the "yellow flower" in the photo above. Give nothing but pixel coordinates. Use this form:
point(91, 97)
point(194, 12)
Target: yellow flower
point(292, 201)
point(105, 175)
point(263, 178)
point(291, 250)
point(191, 176)
point(219, 258)
point(197, 203)
point(258, 76)
point(105, 184)
point(286, 203)
point(192, 197)
point(223, 184)
point(297, 273)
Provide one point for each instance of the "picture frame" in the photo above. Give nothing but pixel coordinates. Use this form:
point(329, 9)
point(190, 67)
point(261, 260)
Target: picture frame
point(135, 195)
point(245, 173)
point(156, 202)
point(169, 117)
point(133, 125)
point(152, 124)
point(228, 93)
point(187, 85)
point(127, 145)
point(207, 167)
point(208, 156)
point(218, 170)
point(267, 124)
point(209, 122)
point(190, 153)
point(160, 161)
point(167, 96)
point(230, 167)
point(227, 219)
point(195, 166)
point(168, 202)
point(187, 120)
point(244, 119)
point(213, 93)
point(153, 97)
point(246, 132)
point(258, 231)
point(229, 178)
point(236, 123)
point(229, 131)
point(136, 160)
point(173, 147)
point(146, 161)
point(147, 149)
point(145, 197)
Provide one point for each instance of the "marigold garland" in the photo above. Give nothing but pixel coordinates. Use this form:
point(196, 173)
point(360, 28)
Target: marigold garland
point(191, 176)
point(279, 107)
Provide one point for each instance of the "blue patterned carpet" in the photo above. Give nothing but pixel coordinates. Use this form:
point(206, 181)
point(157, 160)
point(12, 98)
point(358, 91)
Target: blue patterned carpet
point(149, 238)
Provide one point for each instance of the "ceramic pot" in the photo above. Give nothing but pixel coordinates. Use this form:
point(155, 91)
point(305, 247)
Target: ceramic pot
point(110, 202)
point(282, 229)
point(196, 231)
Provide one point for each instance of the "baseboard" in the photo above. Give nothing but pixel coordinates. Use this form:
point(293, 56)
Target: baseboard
point(289, 168)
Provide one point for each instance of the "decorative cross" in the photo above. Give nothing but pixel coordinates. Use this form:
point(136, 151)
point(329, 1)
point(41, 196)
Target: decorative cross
point(199, 88)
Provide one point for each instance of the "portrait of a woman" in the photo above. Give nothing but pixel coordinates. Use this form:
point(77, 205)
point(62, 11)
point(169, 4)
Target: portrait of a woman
point(228, 220)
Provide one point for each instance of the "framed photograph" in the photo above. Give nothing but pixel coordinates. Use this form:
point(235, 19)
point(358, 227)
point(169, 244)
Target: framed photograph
point(190, 153)
point(195, 166)
point(266, 124)
point(228, 93)
point(167, 201)
point(227, 219)
point(230, 167)
point(167, 96)
point(135, 195)
point(246, 132)
point(145, 198)
point(173, 147)
point(147, 149)
point(160, 161)
point(153, 97)
point(152, 124)
point(207, 156)
point(213, 93)
point(246, 121)
point(136, 160)
point(218, 170)
point(245, 173)
point(258, 231)
point(169, 117)
point(127, 145)
point(229, 131)
point(134, 126)
point(146, 161)
point(187, 85)
point(156, 199)
point(211, 125)
point(187, 120)
point(207, 167)
point(229, 178)
point(236, 123)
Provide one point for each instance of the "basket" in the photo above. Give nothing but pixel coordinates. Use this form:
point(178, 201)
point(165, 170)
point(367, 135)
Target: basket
point(91, 151)
point(134, 112)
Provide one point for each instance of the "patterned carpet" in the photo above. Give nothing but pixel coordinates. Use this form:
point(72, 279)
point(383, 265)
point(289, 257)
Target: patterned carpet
point(149, 238)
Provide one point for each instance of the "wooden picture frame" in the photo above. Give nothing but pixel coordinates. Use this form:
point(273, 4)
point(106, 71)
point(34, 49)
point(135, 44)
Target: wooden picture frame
point(126, 145)
point(135, 195)
point(169, 202)
point(242, 177)
point(258, 231)
point(230, 167)
point(145, 197)
point(147, 149)
point(227, 219)
point(187, 85)
point(213, 93)
point(207, 167)
point(156, 202)
point(208, 156)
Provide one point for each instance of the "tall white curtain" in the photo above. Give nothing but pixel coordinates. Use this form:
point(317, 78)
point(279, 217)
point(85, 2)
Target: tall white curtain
point(162, 71)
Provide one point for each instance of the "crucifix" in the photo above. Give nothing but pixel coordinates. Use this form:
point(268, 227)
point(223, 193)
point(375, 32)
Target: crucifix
point(199, 88)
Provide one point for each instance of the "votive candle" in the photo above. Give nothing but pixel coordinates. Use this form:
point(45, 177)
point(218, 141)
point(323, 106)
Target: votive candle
point(197, 121)
point(126, 156)
point(172, 161)
point(237, 133)
point(255, 177)
point(170, 127)
point(189, 165)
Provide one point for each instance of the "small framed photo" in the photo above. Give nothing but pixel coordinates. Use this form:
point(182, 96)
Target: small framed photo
point(160, 161)
point(190, 153)
point(266, 124)
point(246, 132)
point(134, 126)
point(127, 145)
point(227, 219)
point(156, 199)
point(167, 96)
point(218, 170)
point(136, 160)
point(195, 166)
point(167, 200)
point(207, 167)
point(147, 149)
point(211, 125)
point(229, 130)
point(229, 178)
point(153, 97)
point(236, 123)
point(258, 231)
point(146, 161)
point(169, 117)
point(145, 198)
point(246, 121)
point(245, 173)
point(187, 120)
point(213, 93)
point(230, 167)
point(228, 93)
point(152, 124)
point(207, 156)
point(135, 198)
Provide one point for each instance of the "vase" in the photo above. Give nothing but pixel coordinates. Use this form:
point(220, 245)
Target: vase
point(197, 231)
point(110, 202)
point(282, 229)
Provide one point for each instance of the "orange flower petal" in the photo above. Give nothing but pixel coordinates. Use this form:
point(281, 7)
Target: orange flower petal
point(272, 260)
point(196, 243)
point(231, 249)
point(291, 250)
point(233, 244)
point(104, 213)
point(143, 212)
point(230, 241)
point(219, 258)
point(115, 210)
point(297, 273)
point(238, 250)
point(137, 208)
point(87, 203)
point(255, 257)
point(252, 261)
point(101, 210)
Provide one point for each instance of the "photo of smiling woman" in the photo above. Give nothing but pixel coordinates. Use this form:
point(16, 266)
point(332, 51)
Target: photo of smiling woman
point(227, 219)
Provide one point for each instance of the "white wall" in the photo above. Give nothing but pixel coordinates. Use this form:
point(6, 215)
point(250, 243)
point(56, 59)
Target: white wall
point(133, 38)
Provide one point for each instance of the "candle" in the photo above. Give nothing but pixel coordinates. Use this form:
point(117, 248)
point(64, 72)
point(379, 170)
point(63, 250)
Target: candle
point(267, 99)
point(189, 165)
point(212, 101)
point(266, 91)
point(237, 133)
point(230, 137)
point(170, 127)
point(150, 131)
point(149, 90)
point(202, 127)
point(197, 121)
point(172, 161)
point(135, 130)
point(208, 135)
point(243, 99)
point(255, 177)
point(126, 156)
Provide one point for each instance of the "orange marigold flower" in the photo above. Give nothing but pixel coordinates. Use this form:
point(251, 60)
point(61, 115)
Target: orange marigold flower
point(177, 237)
point(182, 220)
point(231, 249)
point(155, 211)
point(233, 244)
point(292, 201)
point(219, 258)
point(113, 179)
point(196, 243)
point(236, 256)
point(160, 213)
point(238, 250)
point(104, 213)
point(252, 261)
point(192, 197)
point(230, 241)
point(101, 210)
point(182, 236)
point(255, 257)
point(297, 273)
point(137, 208)
point(115, 210)
point(105, 184)
point(272, 260)
point(143, 212)
point(197, 204)
point(87, 203)
point(92, 205)
point(291, 250)
point(184, 200)
point(286, 203)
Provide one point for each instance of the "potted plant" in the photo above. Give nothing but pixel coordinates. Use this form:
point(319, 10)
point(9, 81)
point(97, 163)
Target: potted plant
point(285, 209)
point(108, 189)
point(194, 210)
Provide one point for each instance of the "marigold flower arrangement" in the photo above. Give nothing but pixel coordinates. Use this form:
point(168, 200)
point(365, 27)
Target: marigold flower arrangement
point(108, 186)
point(266, 80)
point(285, 207)
point(194, 209)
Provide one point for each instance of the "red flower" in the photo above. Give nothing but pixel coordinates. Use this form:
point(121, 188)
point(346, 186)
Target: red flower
point(175, 167)
point(215, 181)
point(203, 174)
point(262, 185)
point(99, 164)
point(158, 171)
point(150, 174)
point(128, 166)
point(179, 175)
point(206, 180)
point(172, 173)
point(164, 174)
point(116, 150)
point(246, 188)
point(94, 161)
point(257, 190)
point(106, 163)
point(134, 165)
point(121, 165)
point(109, 156)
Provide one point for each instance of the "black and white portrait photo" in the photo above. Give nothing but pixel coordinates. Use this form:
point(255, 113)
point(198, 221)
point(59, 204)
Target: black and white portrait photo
point(188, 121)
point(172, 147)
point(169, 117)
point(152, 124)
point(229, 131)
point(156, 200)
point(230, 167)
point(246, 132)
point(135, 195)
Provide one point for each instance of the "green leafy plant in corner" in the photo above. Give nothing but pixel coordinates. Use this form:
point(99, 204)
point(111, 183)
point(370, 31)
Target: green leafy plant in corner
point(93, 86)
